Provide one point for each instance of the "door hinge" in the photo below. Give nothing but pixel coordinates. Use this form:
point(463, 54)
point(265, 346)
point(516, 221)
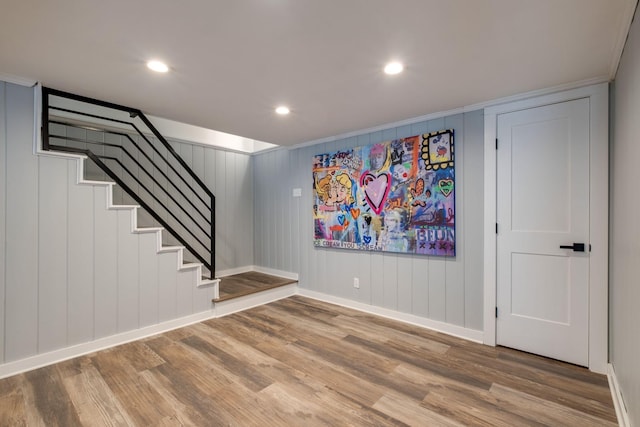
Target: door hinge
point(496, 312)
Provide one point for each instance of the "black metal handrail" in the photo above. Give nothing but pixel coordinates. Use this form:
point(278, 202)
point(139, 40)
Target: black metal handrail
point(195, 232)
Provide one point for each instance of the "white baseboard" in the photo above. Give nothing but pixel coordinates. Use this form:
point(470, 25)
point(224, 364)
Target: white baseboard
point(449, 329)
point(55, 356)
point(274, 272)
point(225, 308)
point(259, 269)
point(616, 394)
point(232, 271)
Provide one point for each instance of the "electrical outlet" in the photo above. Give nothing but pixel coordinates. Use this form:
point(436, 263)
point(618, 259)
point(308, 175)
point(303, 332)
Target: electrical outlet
point(356, 283)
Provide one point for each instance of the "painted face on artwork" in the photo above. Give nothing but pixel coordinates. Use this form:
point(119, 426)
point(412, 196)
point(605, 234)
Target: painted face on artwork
point(333, 191)
point(341, 193)
point(391, 222)
point(377, 160)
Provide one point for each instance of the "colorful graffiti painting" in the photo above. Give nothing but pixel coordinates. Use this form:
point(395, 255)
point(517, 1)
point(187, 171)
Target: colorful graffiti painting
point(394, 196)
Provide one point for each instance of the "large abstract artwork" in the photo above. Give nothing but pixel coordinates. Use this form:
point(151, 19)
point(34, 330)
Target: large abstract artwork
point(394, 196)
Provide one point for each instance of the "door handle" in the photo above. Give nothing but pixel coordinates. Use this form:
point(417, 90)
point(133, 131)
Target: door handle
point(577, 247)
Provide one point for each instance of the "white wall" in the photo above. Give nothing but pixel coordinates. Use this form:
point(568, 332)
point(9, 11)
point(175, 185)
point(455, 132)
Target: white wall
point(442, 289)
point(71, 270)
point(624, 265)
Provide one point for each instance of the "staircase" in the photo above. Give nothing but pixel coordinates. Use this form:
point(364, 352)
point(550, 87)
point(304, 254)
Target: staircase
point(142, 173)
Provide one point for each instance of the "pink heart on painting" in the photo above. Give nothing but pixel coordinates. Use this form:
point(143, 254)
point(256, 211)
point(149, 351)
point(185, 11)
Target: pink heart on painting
point(376, 189)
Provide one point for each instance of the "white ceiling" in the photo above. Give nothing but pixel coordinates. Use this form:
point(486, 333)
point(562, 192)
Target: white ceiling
point(233, 61)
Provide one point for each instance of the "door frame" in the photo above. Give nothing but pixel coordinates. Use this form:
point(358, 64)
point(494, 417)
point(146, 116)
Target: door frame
point(598, 213)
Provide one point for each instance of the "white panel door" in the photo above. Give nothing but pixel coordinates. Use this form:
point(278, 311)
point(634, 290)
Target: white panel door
point(543, 204)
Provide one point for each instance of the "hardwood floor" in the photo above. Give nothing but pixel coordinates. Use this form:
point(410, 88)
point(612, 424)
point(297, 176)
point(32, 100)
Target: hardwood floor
point(248, 283)
point(301, 362)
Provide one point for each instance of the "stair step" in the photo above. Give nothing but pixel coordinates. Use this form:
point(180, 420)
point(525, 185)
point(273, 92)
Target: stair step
point(239, 285)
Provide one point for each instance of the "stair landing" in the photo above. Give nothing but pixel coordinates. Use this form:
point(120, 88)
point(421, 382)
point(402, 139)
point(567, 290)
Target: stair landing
point(248, 283)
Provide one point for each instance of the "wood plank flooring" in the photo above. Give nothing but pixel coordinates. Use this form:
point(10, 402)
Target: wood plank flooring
point(251, 282)
point(301, 362)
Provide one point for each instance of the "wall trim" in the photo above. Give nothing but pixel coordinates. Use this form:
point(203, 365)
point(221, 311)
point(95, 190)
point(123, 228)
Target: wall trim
point(618, 401)
point(412, 319)
point(219, 310)
point(274, 272)
point(623, 32)
point(18, 80)
point(440, 114)
point(34, 362)
point(599, 237)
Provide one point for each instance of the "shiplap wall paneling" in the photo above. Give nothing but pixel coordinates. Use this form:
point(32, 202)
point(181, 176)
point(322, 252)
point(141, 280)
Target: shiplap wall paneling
point(105, 263)
point(127, 289)
point(184, 292)
point(118, 193)
point(91, 170)
point(624, 269)
point(228, 175)
point(267, 209)
point(223, 233)
point(72, 271)
point(244, 179)
point(472, 217)
point(229, 205)
point(209, 178)
point(148, 278)
point(178, 203)
point(454, 266)
point(267, 204)
point(52, 253)
point(183, 209)
point(3, 195)
point(130, 171)
point(21, 275)
point(437, 265)
point(434, 287)
point(167, 279)
point(162, 187)
point(80, 262)
point(231, 210)
point(193, 156)
point(148, 180)
point(202, 298)
point(296, 210)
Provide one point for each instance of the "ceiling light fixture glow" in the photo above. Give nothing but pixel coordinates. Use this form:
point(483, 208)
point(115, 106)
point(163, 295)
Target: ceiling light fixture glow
point(282, 110)
point(393, 68)
point(157, 66)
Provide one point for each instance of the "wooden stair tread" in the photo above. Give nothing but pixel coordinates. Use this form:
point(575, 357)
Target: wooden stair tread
point(243, 284)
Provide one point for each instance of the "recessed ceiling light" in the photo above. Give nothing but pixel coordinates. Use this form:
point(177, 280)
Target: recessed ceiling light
point(393, 68)
point(158, 66)
point(282, 110)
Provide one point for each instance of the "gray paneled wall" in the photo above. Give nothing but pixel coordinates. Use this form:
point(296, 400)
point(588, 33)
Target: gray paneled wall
point(72, 271)
point(227, 174)
point(443, 289)
point(624, 228)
